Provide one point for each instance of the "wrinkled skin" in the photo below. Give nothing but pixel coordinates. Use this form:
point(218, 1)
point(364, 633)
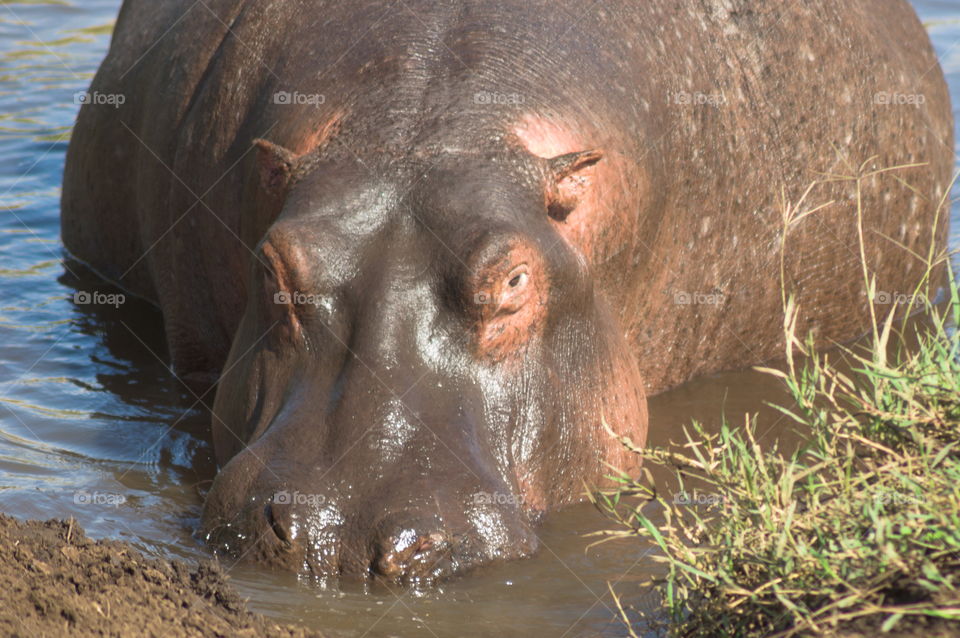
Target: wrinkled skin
point(424, 293)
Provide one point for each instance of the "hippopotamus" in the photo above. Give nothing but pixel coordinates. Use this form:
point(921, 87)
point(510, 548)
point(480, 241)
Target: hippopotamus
point(431, 257)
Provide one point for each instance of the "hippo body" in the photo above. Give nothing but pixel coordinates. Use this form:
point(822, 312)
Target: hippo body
point(433, 246)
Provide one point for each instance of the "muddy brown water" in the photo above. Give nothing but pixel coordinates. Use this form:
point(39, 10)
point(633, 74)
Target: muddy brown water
point(93, 425)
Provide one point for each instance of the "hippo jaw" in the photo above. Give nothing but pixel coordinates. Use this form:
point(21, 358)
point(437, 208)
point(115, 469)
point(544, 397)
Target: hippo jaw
point(420, 373)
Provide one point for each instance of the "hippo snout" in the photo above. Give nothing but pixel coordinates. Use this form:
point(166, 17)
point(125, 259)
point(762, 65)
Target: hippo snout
point(409, 555)
point(412, 556)
point(328, 535)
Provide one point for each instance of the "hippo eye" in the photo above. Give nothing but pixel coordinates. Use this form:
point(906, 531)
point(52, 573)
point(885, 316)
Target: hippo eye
point(517, 279)
point(513, 291)
point(510, 289)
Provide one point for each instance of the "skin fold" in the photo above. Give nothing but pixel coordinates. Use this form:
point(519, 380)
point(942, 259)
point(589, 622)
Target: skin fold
point(428, 250)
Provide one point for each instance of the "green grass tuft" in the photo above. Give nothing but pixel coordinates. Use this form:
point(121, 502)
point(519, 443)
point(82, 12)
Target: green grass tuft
point(857, 529)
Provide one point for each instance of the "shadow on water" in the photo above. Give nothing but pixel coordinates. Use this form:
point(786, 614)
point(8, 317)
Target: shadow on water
point(93, 424)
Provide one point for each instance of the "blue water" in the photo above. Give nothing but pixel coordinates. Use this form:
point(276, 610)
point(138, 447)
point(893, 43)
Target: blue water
point(93, 425)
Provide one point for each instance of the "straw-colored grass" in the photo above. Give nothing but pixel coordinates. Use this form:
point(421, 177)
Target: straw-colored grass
point(859, 528)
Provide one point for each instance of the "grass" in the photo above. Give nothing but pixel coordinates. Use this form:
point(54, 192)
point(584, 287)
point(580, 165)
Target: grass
point(858, 529)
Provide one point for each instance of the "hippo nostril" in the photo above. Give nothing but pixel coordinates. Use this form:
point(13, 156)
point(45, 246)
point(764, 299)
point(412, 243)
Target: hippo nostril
point(429, 542)
point(390, 565)
point(411, 556)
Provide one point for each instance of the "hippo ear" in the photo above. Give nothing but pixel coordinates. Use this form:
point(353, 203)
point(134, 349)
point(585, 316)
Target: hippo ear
point(565, 184)
point(275, 165)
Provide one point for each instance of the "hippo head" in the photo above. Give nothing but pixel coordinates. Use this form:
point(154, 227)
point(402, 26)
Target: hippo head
point(425, 365)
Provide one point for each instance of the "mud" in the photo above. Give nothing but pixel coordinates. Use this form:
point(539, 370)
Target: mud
point(56, 582)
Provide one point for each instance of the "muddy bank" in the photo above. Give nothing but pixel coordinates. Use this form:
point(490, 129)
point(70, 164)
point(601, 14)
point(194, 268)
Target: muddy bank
point(56, 581)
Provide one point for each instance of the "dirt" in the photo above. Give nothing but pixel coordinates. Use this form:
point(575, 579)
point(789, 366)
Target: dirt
point(56, 581)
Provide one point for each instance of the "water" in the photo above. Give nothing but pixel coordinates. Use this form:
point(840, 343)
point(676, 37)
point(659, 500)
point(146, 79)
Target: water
point(93, 424)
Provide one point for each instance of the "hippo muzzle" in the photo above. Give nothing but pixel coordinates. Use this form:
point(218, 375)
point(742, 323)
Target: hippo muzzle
point(411, 387)
point(391, 497)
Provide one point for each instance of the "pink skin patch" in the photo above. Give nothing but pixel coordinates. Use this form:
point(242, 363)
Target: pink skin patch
point(548, 138)
point(278, 165)
point(533, 497)
point(281, 289)
point(624, 409)
point(321, 135)
point(597, 210)
point(510, 293)
point(590, 192)
point(614, 412)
